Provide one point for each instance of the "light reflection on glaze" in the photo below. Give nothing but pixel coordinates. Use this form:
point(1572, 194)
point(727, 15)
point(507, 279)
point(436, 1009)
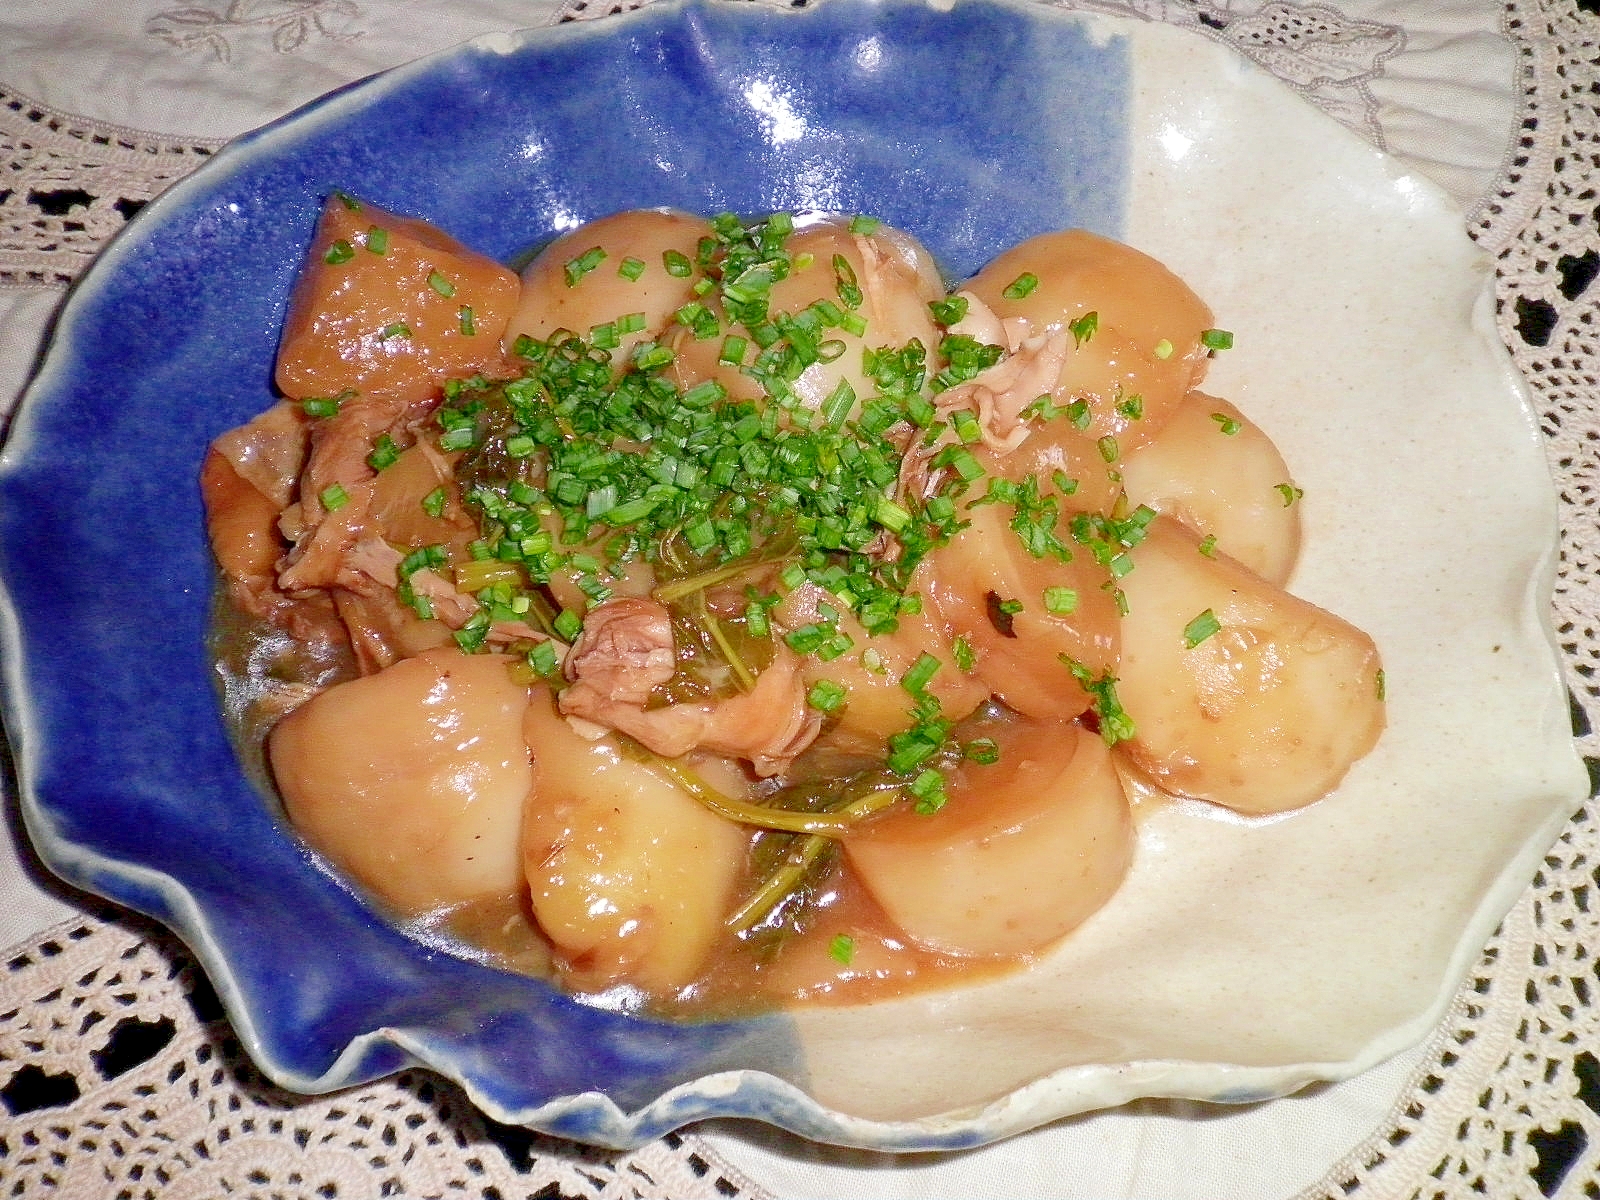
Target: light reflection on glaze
point(784, 124)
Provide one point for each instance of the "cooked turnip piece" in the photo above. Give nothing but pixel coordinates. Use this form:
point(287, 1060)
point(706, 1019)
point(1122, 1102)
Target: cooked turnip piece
point(390, 304)
point(1144, 337)
point(897, 279)
point(1024, 850)
point(412, 780)
point(876, 704)
point(1240, 693)
point(1065, 463)
point(1020, 613)
point(569, 286)
point(1218, 473)
point(630, 876)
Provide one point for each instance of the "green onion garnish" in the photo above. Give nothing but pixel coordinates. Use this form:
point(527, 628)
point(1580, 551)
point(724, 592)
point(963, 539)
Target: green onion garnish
point(1199, 629)
point(1060, 601)
point(826, 696)
point(1021, 287)
point(578, 267)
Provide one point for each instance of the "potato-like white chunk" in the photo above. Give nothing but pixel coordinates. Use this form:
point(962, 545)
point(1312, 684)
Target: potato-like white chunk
point(1145, 339)
point(630, 876)
point(412, 780)
point(876, 704)
point(897, 279)
point(1268, 709)
point(349, 298)
point(600, 295)
point(1001, 598)
point(1219, 473)
point(1066, 466)
point(1024, 850)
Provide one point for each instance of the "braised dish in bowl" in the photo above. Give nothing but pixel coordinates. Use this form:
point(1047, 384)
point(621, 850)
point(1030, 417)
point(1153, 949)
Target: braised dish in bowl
point(1238, 952)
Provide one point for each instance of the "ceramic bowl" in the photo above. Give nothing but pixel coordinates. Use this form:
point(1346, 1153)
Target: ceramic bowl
point(1242, 959)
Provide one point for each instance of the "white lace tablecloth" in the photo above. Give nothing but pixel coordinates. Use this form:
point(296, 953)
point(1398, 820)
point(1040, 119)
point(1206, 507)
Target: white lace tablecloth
point(118, 1074)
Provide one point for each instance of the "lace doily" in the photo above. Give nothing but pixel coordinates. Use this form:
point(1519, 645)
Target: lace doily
point(119, 1045)
point(113, 1052)
point(70, 184)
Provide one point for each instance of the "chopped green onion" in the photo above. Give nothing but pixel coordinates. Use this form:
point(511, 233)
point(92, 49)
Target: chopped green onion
point(378, 240)
point(1084, 327)
point(435, 501)
point(677, 265)
point(952, 310)
point(1289, 492)
point(845, 283)
point(967, 426)
point(441, 285)
point(1208, 545)
point(1199, 629)
point(334, 497)
point(842, 949)
point(544, 660)
point(826, 696)
point(1021, 287)
point(1060, 601)
point(384, 453)
point(961, 650)
point(568, 625)
point(928, 788)
point(578, 267)
point(469, 322)
point(396, 329)
point(984, 751)
point(324, 406)
point(1163, 349)
point(340, 252)
point(1227, 424)
point(1115, 723)
point(920, 673)
point(890, 515)
point(1216, 339)
point(631, 268)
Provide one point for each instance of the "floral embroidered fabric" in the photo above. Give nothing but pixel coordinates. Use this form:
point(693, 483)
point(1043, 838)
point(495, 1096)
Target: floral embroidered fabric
point(120, 1078)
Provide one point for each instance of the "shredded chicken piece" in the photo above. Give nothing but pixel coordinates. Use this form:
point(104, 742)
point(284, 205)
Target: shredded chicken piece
point(1000, 394)
point(338, 456)
point(269, 451)
point(982, 323)
point(377, 561)
point(626, 651)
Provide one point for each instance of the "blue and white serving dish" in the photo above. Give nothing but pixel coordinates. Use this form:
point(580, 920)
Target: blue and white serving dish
point(1242, 959)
